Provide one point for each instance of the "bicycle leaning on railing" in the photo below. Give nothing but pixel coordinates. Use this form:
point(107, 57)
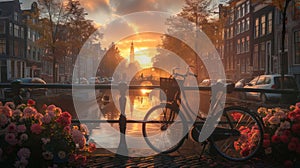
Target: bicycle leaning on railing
point(237, 137)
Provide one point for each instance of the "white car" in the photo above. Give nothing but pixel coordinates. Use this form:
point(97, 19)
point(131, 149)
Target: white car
point(271, 82)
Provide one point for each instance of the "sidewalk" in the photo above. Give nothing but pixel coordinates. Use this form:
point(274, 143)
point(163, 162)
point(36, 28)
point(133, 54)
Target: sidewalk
point(187, 156)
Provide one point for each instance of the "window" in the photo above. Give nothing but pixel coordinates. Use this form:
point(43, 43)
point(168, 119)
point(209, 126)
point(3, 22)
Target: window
point(238, 12)
point(243, 26)
point(2, 27)
point(16, 16)
point(297, 47)
point(2, 46)
point(270, 24)
point(247, 24)
point(242, 10)
point(231, 32)
point(255, 57)
point(256, 33)
point(16, 30)
point(238, 27)
point(262, 56)
point(263, 25)
point(247, 7)
point(238, 49)
point(243, 45)
point(11, 29)
point(247, 44)
point(243, 66)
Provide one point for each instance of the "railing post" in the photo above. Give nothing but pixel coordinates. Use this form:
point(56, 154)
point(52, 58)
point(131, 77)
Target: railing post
point(16, 90)
point(122, 149)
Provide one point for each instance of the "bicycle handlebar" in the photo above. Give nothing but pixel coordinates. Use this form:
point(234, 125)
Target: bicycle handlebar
point(188, 73)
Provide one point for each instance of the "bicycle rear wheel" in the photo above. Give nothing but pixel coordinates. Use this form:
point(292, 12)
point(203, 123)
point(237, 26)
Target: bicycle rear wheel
point(164, 128)
point(239, 134)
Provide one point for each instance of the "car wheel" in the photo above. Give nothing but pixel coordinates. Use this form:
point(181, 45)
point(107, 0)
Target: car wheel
point(263, 98)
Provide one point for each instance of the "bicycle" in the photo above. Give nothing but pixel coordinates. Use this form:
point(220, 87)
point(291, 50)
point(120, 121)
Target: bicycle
point(237, 137)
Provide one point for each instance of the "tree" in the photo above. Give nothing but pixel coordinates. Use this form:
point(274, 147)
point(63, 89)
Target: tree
point(194, 11)
point(110, 61)
point(63, 29)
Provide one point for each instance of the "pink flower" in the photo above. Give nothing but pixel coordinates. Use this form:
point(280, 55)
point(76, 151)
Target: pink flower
point(10, 105)
point(21, 128)
point(78, 138)
point(64, 119)
point(36, 128)
point(11, 139)
point(274, 120)
point(46, 119)
point(51, 107)
point(12, 128)
point(17, 113)
point(24, 152)
point(29, 112)
point(23, 137)
point(6, 111)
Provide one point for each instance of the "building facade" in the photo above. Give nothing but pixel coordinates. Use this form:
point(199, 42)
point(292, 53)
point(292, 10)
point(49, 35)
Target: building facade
point(12, 41)
point(237, 40)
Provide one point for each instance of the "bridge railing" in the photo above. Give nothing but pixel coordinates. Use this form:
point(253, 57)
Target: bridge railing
point(122, 88)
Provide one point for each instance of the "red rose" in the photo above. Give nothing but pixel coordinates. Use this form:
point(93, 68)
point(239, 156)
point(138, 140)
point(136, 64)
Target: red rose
point(297, 118)
point(296, 128)
point(245, 152)
point(266, 143)
point(288, 164)
point(284, 138)
point(295, 140)
point(292, 115)
point(275, 139)
point(297, 105)
point(292, 146)
point(30, 102)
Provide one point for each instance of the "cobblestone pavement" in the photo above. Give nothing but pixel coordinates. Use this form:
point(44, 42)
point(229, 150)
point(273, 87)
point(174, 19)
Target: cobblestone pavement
point(187, 156)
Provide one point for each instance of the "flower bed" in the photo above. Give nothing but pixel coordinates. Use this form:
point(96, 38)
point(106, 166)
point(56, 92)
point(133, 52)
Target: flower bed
point(282, 134)
point(29, 138)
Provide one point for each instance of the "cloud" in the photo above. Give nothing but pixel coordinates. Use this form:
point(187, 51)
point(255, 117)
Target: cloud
point(122, 7)
point(96, 5)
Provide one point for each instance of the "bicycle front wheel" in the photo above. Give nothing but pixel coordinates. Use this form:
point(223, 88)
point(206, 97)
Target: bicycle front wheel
point(164, 128)
point(239, 134)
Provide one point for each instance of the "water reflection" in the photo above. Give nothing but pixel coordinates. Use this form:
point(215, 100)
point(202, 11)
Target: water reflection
point(137, 105)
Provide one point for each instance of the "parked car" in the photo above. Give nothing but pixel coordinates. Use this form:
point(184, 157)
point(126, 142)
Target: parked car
point(82, 81)
point(207, 82)
point(272, 82)
point(94, 80)
point(226, 81)
point(27, 92)
point(242, 82)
